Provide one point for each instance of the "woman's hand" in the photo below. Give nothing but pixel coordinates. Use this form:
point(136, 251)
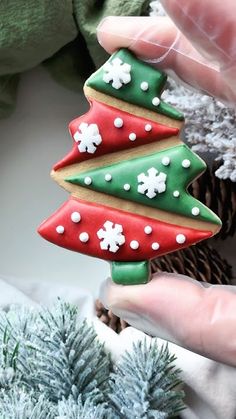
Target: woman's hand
point(199, 45)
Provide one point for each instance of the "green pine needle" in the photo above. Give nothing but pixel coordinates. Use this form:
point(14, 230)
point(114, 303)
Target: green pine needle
point(71, 409)
point(70, 360)
point(52, 366)
point(18, 404)
point(145, 382)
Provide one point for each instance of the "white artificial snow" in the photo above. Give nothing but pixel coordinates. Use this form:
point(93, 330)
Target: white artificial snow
point(111, 236)
point(210, 126)
point(156, 9)
point(88, 137)
point(6, 375)
point(117, 72)
point(152, 183)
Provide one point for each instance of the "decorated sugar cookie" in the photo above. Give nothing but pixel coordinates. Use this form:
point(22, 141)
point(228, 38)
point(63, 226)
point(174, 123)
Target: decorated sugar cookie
point(128, 174)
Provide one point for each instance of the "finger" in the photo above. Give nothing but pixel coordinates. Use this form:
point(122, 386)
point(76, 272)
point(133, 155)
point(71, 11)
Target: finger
point(209, 25)
point(181, 310)
point(157, 40)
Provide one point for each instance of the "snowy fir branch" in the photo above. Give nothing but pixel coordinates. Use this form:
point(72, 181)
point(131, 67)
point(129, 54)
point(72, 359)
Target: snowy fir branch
point(75, 359)
point(71, 409)
point(19, 404)
point(8, 361)
point(16, 350)
point(53, 366)
point(145, 382)
point(209, 124)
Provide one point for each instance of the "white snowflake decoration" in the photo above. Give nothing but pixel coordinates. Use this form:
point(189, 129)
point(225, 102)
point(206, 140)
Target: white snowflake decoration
point(117, 72)
point(88, 138)
point(152, 183)
point(111, 236)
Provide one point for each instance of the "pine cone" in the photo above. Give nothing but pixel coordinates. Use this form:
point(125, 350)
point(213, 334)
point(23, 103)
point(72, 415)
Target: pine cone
point(110, 319)
point(201, 262)
point(220, 196)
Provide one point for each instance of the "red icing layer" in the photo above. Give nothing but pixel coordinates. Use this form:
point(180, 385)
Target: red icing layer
point(113, 139)
point(93, 217)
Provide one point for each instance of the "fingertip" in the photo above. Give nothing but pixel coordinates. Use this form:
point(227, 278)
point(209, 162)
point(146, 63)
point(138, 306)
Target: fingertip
point(112, 294)
point(109, 34)
point(102, 32)
point(147, 37)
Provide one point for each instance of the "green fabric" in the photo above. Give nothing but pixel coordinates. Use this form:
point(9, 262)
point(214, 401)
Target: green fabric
point(8, 88)
point(60, 33)
point(89, 13)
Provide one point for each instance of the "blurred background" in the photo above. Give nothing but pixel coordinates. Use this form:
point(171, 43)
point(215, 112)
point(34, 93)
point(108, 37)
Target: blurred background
point(32, 140)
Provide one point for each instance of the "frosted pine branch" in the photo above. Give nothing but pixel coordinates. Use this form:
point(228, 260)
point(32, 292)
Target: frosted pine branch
point(18, 404)
point(144, 382)
point(8, 362)
point(71, 409)
point(71, 360)
point(16, 328)
point(52, 366)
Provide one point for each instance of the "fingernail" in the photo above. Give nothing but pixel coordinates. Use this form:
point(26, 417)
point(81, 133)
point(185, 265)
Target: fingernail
point(111, 299)
point(106, 294)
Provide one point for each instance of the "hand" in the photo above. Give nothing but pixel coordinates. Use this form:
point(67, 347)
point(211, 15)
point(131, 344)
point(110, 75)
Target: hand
point(199, 317)
point(198, 44)
point(200, 47)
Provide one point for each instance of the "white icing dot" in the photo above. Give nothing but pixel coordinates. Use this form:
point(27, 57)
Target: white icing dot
point(108, 177)
point(195, 211)
point(186, 163)
point(118, 122)
point(75, 217)
point(87, 180)
point(126, 186)
point(132, 136)
point(176, 194)
point(148, 127)
point(180, 238)
point(156, 101)
point(148, 229)
point(84, 237)
point(165, 161)
point(134, 244)
point(144, 86)
point(60, 229)
point(155, 246)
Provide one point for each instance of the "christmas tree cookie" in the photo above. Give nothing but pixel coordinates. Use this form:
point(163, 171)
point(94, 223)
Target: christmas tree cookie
point(128, 175)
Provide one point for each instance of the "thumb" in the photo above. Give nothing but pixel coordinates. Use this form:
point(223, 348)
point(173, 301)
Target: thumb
point(181, 310)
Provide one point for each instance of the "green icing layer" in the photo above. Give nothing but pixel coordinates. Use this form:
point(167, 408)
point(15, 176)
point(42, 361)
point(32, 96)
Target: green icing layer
point(132, 92)
point(130, 273)
point(176, 180)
